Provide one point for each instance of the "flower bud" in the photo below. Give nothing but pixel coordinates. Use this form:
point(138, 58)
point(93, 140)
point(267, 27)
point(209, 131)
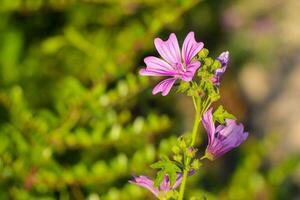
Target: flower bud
point(203, 53)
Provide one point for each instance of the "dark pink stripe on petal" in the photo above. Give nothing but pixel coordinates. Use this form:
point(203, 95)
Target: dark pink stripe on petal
point(155, 62)
point(169, 50)
point(155, 72)
point(190, 71)
point(190, 48)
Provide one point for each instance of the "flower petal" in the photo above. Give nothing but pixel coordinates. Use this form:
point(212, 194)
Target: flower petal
point(157, 67)
point(169, 50)
point(231, 128)
point(157, 63)
point(179, 178)
point(229, 137)
point(224, 58)
point(164, 86)
point(234, 132)
point(145, 182)
point(208, 123)
point(165, 184)
point(190, 48)
point(190, 71)
point(230, 143)
point(178, 181)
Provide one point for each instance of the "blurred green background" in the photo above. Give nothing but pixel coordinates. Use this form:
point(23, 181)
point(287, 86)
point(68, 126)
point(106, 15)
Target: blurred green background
point(76, 120)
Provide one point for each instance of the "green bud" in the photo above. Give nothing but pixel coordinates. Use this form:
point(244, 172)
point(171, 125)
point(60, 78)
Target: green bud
point(184, 86)
point(196, 164)
point(190, 152)
point(217, 64)
point(178, 158)
point(202, 72)
point(182, 143)
point(203, 53)
point(208, 61)
point(214, 97)
point(192, 92)
point(175, 149)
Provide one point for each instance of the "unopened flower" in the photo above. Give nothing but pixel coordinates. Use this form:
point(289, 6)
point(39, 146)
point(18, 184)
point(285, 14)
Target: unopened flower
point(175, 64)
point(224, 59)
point(222, 138)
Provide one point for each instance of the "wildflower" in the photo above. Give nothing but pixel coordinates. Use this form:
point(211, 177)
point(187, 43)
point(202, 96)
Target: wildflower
point(222, 138)
point(164, 187)
point(173, 63)
point(224, 59)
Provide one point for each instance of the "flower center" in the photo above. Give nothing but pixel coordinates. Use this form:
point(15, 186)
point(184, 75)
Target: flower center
point(181, 67)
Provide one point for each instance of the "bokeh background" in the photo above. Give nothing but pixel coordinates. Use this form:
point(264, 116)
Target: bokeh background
point(76, 120)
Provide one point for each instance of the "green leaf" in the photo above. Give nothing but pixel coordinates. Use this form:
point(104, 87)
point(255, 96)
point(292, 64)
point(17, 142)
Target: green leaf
point(220, 115)
point(159, 178)
point(167, 167)
point(164, 158)
point(172, 177)
point(157, 165)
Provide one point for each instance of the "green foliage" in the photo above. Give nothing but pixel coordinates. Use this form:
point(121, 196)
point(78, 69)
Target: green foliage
point(220, 115)
point(166, 167)
point(75, 119)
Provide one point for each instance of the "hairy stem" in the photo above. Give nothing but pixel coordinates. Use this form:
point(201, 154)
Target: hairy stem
point(197, 103)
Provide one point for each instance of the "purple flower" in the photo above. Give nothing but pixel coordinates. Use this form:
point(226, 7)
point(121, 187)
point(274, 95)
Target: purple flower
point(223, 138)
point(164, 187)
point(224, 59)
point(175, 64)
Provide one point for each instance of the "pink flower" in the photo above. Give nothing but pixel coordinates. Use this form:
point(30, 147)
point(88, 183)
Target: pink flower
point(175, 64)
point(164, 187)
point(223, 138)
point(224, 59)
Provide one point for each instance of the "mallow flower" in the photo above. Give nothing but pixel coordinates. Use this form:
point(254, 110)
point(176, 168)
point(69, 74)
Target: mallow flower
point(224, 59)
point(173, 64)
point(222, 138)
point(164, 187)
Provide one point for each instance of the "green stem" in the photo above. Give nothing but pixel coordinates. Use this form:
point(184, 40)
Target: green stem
point(182, 186)
point(194, 136)
point(197, 121)
point(194, 102)
point(206, 105)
